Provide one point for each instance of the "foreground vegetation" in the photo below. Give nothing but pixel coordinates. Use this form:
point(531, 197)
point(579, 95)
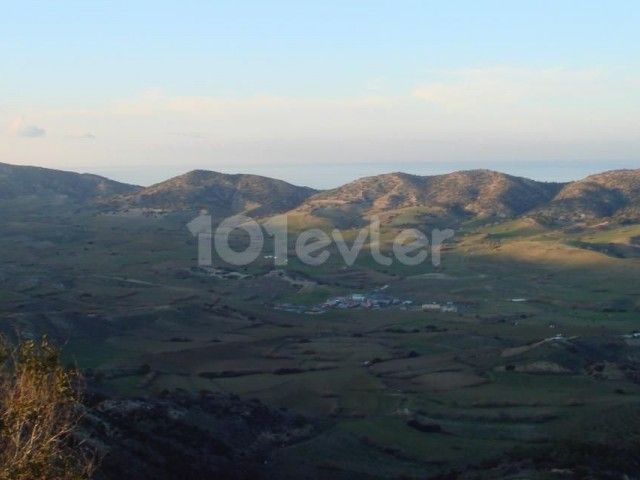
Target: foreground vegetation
point(39, 412)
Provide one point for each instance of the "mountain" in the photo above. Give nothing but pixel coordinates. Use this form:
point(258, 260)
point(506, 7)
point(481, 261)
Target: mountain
point(614, 193)
point(55, 186)
point(465, 194)
point(477, 193)
point(220, 193)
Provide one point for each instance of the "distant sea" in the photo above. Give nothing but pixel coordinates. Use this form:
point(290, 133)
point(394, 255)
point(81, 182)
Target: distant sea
point(331, 175)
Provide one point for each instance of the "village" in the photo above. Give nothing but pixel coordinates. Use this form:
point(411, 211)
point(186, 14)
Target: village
point(371, 301)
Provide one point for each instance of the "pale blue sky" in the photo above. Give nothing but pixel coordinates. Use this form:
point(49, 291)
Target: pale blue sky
point(140, 90)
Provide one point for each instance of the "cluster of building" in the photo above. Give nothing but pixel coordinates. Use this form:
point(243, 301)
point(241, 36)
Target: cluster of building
point(448, 307)
point(374, 301)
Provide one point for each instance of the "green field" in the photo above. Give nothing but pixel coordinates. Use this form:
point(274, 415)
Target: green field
point(491, 376)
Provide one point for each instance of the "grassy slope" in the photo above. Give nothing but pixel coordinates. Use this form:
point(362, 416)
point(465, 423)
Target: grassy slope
point(487, 266)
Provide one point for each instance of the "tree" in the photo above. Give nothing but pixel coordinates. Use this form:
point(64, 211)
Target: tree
point(39, 411)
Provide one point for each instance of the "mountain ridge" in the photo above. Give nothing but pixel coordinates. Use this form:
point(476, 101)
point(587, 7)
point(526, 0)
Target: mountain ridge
point(223, 194)
point(481, 193)
point(478, 193)
point(20, 181)
point(613, 193)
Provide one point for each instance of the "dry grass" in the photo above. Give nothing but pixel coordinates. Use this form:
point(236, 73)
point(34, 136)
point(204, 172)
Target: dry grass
point(39, 411)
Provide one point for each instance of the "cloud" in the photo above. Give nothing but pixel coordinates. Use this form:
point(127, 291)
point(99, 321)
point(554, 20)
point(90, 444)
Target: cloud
point(191, 135)
point(156, 102)
point(20, 130)
point(550, 105)
point(31, 131)
point(504, 86)
point(480, 113)
point(375, 85)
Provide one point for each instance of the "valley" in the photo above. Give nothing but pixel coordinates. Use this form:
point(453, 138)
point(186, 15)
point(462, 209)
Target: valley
point(540, 352)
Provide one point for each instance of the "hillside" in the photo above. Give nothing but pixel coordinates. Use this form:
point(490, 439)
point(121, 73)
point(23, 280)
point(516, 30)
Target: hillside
point(610, 194)
point(480, 194)
point(190, 436)
point(46, 185)
point(477, 193)
point(221, 194)
point(541, 355)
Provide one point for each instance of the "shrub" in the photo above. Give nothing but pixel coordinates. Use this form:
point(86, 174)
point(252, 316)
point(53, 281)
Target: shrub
point(39, 411)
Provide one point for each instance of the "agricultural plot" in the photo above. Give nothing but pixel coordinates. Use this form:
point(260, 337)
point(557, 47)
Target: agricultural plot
point(401, 390)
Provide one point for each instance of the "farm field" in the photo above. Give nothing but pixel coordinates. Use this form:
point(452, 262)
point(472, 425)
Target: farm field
point(400, 390)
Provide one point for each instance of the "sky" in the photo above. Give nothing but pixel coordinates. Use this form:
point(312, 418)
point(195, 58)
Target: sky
point(320, 93)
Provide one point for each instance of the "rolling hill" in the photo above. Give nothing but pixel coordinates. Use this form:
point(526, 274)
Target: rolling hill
point(220, 193)
point(542, 349)
point(610, 194)
point(474, 193)
point(55, 186)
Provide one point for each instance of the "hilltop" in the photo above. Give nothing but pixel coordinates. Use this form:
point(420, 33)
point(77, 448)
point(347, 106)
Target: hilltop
point(461, 196)
point(47, 185)
point(610, 194)
point(474, 193)
point(222, 194)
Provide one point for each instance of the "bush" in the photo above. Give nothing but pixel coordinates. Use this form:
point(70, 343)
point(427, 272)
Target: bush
point(39, 411)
